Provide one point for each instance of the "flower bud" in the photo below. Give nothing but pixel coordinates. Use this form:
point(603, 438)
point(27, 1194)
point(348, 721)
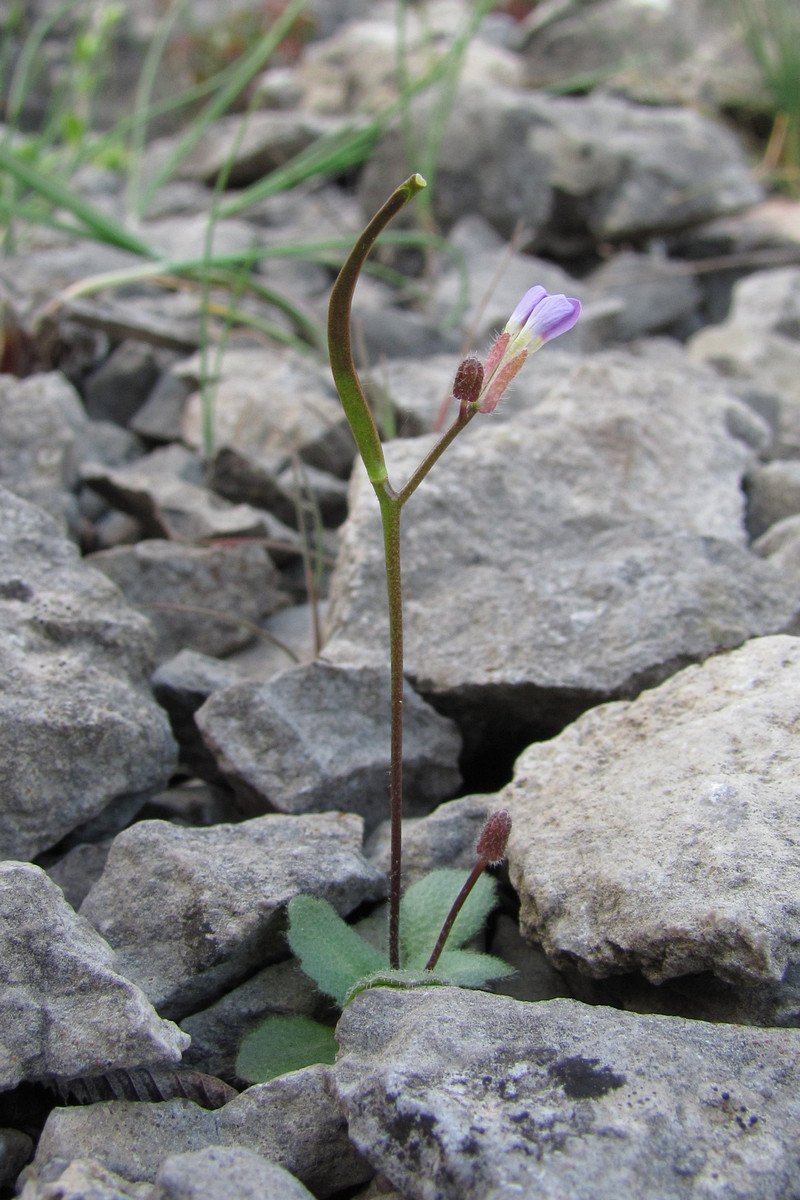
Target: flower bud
point(468, 381)
point(494, 837)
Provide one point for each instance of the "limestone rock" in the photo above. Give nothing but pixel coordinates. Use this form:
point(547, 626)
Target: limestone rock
point(64, 1008)
point(191, 912)
point(316, 737)
point(79, 726)
point(659, 835)
point(293, 1121)
point(457, 1095)
point(218, 1171)
point(580, 551)
point(237, 581)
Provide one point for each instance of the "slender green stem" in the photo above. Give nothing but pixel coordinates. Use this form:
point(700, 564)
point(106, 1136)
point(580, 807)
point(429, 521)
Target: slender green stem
point(390, 515)
point(462, 420)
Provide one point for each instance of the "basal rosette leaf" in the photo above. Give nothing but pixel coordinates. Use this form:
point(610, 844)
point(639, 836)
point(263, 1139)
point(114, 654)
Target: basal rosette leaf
point(330, 951)
point(425, 906)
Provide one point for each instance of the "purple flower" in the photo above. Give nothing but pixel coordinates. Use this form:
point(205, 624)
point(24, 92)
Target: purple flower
point(539, 317)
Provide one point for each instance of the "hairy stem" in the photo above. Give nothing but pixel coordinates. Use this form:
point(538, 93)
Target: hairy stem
point(458, 904)
point(390, 513)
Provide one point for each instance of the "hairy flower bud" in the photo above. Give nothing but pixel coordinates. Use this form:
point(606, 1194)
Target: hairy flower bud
point(494, 837)
point(468, 381)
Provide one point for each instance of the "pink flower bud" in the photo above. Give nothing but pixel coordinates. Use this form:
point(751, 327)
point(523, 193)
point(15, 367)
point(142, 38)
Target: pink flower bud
point(494, 838)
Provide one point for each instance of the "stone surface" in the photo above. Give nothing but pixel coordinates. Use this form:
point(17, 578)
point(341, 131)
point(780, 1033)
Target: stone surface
point(759, 343)
point(164, 491)
point(192, 912)
point(584, 169)
point(445, 838)
point(268, 400)
point(457, 1095)
point(16, 1148)
point(659, 835)
point(578, 552)
point(65, 1010)
point(222, 1171)
point(79, 726)
point(181, 685)
point(120, 385)
point(237, 581)
point(293, 1121)
point(78, 870)
point(40, 421)
point(773, 493)
point(81, 1179)
point(217, 1032)
point(316, 737)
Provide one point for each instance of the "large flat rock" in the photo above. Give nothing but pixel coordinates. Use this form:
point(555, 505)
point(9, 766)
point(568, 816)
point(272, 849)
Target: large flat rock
point(660, 835)
point(192, 912)
point(64, 1009)
point(580, 551)
point(456, 1095)
point(78, 723)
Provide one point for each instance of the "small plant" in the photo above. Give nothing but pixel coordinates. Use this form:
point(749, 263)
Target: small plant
point(342, 963)
point(772, 33)
point(332, 952)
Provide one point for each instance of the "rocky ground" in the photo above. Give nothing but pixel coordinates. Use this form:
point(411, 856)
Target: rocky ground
point(603, 637)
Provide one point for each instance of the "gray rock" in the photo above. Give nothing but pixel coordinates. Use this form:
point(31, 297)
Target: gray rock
point(78, 870)
point(578, 552)
point(759, 342)
point(535, 977)
point(40, 421)
point(217, 1032)
point(657, 295)
point(457, 1095)
point(81, 1179)
point(316, 737)
point(117, 388)
point(164, 492)
point(79, 727)
point(218, 1172)
point(773, 493)
point(181, 685)
point(445, 838)
point(65, 1010)
point(673, 52)
point(573, 171)
point(657, 835)
point(293, 1121)
point(161, 415)
point(273, 400)
point(237, 581)
point(250, 146)
point(192, 912)
point(129, 1138)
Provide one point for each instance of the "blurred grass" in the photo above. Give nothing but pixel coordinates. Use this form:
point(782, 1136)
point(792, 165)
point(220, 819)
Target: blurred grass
point(38, 168)
point(772, 33)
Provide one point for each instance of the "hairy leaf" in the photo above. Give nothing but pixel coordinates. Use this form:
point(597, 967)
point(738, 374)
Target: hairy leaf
point(330, 950)
point(425, 906)
point(465, 968)
point(282, 1044)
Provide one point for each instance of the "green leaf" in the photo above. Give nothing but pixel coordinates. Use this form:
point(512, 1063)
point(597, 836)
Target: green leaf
point(330, 950)
point(425, 906)
point(282, 1044)
point(402, 979)
point(466, 968)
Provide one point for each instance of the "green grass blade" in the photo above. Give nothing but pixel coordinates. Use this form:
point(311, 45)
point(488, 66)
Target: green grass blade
point(246, 67)
point(102, 227)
